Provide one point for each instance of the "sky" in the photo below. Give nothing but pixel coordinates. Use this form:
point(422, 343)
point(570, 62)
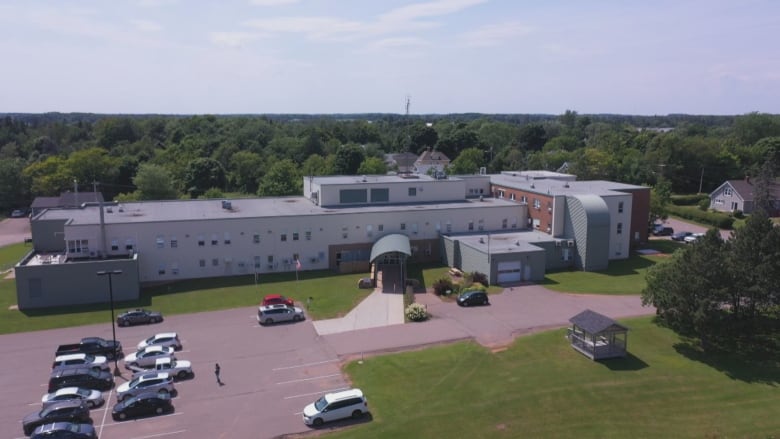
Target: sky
point(366, 56)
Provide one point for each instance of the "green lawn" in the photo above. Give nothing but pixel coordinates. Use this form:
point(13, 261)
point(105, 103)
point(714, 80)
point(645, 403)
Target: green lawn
point(10, 255)
point(541, 388)
point(332, 295)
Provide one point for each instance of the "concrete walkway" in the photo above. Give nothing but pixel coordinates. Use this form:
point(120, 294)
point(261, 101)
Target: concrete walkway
point(376, 310)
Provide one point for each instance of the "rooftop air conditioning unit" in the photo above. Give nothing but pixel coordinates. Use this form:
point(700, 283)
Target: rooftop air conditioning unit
point(558, 243)
point(571, 243)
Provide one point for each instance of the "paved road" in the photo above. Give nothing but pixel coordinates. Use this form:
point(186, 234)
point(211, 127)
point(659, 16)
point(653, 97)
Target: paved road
point(14, 230)
point(685, 226)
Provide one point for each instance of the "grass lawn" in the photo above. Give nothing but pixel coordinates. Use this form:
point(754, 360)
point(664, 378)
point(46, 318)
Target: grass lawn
point(332, 295)
point(10, 255)
point(623, 277)
point(541, 388)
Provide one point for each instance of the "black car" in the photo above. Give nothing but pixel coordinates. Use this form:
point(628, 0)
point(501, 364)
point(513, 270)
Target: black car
point(680, 236)
point(138, 316)
point(80, 377)
point(71, 411)
point(64, 430)
point(149, 403)
point(476, 297)
point(663, 231)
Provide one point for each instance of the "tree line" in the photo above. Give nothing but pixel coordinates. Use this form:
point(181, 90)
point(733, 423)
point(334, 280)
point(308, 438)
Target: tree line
point(137, 157)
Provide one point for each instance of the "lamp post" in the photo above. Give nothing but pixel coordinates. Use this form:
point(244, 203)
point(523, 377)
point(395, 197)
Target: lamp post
point(113, 323)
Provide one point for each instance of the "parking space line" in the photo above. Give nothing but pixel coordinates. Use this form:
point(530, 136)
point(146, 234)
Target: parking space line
point(310, 379)
point(160, 434)
point(105, 413)
point(316, 393)
point(304, 365)
point(148, 418)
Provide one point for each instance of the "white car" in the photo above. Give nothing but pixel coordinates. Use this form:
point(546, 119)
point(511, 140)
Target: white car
point(93, 398)
point(178, 369)
point(333, 406)
point(146, 357)
point(159, 382)
point(693, 238)
point(162, 339)
point(96, 362)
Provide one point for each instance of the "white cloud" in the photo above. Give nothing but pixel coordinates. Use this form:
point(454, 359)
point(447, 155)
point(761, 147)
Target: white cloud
point(156, 3)
point(314, 27)
point(272, 2)
point(146, 25)
point(430, 9)
point(495, 34)
point(233, 39)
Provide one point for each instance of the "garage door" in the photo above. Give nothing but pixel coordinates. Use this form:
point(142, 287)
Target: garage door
point(509, 272)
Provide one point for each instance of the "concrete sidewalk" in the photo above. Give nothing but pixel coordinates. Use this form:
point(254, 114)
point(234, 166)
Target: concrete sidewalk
point(376, 310)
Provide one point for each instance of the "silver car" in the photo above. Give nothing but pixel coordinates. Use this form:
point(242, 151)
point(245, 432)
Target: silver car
point(69, 361)
point(93, 398)
point(267, 315)
point(162, 339)
point(148, 356)
point(159, 382)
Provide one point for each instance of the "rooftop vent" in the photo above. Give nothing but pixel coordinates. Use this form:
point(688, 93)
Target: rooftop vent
point(227, 205)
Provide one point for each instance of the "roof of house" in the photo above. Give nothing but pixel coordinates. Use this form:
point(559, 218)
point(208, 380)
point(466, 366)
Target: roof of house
point(594, 323)
point(745, 188)
point(429, 157)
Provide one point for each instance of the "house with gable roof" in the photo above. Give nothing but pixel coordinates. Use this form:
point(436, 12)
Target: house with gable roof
point(735, 195)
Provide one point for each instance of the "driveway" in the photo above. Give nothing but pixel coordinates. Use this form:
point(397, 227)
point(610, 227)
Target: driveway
point(14, 230)
point(684, 226)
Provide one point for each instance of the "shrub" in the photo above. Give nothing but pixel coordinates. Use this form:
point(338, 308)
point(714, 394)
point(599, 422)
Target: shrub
point(416, 313)
point(717, 219)
point(479, 278)
point(689, 200)
point(738, 214)
point(704, 204)
point(441, 286)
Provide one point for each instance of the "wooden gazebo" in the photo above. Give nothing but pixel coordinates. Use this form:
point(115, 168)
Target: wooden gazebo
point(597, 336)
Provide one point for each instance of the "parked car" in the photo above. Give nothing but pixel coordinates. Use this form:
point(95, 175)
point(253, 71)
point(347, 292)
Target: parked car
point(138, 316)
point(159, 382)
point(660, 230)
point(178, 369)
point(17, 213)
point(80, 377)
point(92, 345)
point(93, 398)
point(96, 362)
point(476, 297)
point(693, 238)
point(72, 411)
point(267, 315)
point(65, 430)
point(162, 339)
point(333, 406)
point(277, 299)
point(680, 236)
point(147, 356)
point(147, 403)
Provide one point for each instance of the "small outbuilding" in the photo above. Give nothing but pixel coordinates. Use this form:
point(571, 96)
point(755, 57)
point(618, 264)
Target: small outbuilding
point(597, 336)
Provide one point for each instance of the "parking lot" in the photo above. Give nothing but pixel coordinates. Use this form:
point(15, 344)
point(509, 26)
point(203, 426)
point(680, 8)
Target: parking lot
point(269, 375)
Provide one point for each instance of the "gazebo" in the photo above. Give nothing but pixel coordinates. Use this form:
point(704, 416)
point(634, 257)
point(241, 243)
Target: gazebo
point(597, 336)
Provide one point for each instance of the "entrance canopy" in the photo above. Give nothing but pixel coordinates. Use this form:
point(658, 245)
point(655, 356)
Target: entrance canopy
point(391, 243)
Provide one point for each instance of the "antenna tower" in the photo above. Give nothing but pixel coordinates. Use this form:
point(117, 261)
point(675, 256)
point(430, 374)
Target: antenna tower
point(408, 104)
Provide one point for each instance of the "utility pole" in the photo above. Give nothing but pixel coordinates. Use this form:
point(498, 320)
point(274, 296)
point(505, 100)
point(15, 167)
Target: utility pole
point(701, 179)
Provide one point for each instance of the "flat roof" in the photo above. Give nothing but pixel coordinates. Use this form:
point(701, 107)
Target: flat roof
point(385, 179)
point(241, 208)
point(558, 187)
point(504, 242)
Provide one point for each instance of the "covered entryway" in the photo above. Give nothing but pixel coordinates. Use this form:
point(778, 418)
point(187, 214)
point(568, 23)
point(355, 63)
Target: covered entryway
point(510, 272)
point(388, 262)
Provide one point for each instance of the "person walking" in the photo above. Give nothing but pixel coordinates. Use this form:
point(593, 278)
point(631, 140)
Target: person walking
point(216, 372)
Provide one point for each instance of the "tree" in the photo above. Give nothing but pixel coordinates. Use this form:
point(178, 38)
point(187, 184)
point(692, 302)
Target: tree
point(660, 197)
point(92, 165)
point(281, 179)
point(422, 137)
point(153, 182)
point(48, 177)
point(372, 166)
point(13, 186)
point(532, 137)
point(246, 168)
point(316, 165)
point(348, 159)
point(202, 174)
point(468, 162)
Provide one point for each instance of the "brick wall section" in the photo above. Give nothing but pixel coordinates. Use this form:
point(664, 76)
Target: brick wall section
point(543, 214)
point(640, 213)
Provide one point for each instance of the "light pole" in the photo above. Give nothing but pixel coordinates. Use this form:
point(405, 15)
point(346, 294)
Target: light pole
point(113, 323)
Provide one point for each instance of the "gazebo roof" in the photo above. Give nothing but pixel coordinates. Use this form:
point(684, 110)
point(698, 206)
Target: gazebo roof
point(594, 322)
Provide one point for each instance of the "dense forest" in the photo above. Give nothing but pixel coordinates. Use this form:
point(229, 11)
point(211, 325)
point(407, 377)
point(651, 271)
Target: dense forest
point(137, 157)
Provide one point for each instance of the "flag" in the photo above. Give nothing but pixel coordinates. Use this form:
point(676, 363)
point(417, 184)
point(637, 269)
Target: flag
point(297, 264)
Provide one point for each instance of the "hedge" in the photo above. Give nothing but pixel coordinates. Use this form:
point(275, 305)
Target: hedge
point(719, 220)
point(688, 200)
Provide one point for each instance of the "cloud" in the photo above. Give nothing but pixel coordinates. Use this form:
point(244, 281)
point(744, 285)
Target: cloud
point(272, 2)
point(146, 25)
point(430, 9)
point(156, 3)
point(495, 34)
point(233, 39)
point(314, 27)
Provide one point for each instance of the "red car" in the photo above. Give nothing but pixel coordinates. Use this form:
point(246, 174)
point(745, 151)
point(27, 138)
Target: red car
point(277, 299)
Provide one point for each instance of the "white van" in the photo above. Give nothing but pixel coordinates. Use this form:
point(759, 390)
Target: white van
point(333, 406)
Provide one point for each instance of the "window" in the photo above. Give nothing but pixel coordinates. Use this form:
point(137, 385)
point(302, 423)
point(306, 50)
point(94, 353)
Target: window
point(307, 235)
point(481, 224)
point(214, 240)
point(271, 259)
point(160, 242)
point(620, 207)
point(284, 237)
point(537, 204)
point(201, 241)
point(256, 238)
point(215, 262)
point(504, 223)
point(380, 195)
point(380, 227)
point(257, 261)
point(414, 228)
point(351, 196)
point(512, 196)
point(114, 245)
point(161, 269)
point(174, 268)
point(78, 246)
point(403, 226)
point(619, 228)
point(369, 230)
point(295, 236)
point(500, 193)
point(449, 227)
point(727, 191)
point(129, 244)
point(523, 199)
point(295, 257)
point(202, 263)
point(174, 242)
point(412, 191)
point(471, 225)
point(227, 238)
